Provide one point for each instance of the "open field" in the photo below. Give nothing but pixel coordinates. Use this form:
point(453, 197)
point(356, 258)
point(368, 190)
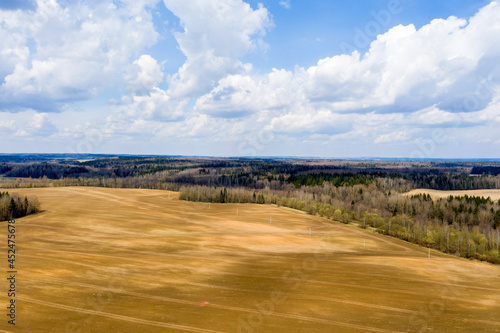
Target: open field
point(116, 260)
point(493, 194)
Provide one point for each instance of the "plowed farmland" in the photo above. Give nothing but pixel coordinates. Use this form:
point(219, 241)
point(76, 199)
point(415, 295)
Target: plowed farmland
point(117, 260)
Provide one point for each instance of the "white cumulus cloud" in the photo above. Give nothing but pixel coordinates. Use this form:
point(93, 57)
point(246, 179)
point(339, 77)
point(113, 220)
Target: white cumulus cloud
point(216, 34)
point(62, 53)
point(430, 76)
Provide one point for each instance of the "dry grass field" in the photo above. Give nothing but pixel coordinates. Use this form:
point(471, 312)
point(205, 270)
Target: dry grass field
point(118, 260)
point(435, 194)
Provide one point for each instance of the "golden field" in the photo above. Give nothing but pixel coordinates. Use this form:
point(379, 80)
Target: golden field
point(119, 260)
point(435, 194)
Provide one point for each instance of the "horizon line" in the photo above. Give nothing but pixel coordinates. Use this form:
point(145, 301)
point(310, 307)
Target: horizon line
point(361, 158)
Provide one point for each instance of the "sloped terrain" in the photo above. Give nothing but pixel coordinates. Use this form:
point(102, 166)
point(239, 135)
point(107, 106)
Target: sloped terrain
point(116, 260)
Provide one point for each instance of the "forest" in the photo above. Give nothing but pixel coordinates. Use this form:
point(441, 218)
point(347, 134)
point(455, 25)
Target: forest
point(14, 206)
point(369, 194)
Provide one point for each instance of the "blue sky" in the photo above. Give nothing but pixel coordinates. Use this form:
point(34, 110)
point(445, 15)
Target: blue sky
point(395, 78)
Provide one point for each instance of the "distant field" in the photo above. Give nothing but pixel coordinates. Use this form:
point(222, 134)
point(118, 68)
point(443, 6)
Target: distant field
point(119, 260)
point(435, 194)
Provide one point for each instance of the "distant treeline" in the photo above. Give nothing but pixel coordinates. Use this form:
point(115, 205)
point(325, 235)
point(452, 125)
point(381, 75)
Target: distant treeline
point(452, 182)
point(49, 170)
point(432, 179)
point(485, 170)
point(4, 168)
point(260, 174)
point(340, 179)
point(130, 182)
point(16, 206)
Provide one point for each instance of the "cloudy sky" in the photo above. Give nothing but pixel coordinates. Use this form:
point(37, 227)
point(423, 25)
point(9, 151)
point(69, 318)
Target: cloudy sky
point(336, 78)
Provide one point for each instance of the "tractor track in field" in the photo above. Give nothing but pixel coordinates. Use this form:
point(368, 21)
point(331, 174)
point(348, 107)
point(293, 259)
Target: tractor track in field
point(199, 330)
point(281, 315)
point(116, 316)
